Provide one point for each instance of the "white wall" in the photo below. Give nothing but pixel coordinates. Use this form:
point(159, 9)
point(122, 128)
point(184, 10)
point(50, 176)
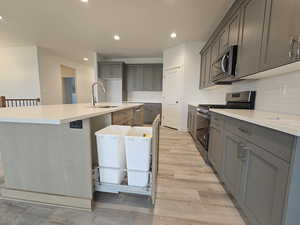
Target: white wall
point(51, 81)
point(275, 94)
point(19, 75)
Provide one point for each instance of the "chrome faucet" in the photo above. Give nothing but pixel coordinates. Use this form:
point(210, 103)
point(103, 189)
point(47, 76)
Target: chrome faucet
point(99, 82)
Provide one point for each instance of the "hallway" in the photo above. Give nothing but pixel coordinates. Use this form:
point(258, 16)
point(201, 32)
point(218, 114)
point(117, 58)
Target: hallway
point(189, 193)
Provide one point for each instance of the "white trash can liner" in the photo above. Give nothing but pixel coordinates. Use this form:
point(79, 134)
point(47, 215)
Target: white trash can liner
point(111, 153)
point(138, 155)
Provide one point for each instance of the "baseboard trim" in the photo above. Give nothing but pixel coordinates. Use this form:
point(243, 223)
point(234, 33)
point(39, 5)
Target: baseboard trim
point(47, 199)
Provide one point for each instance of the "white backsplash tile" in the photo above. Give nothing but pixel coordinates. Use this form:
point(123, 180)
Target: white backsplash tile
point(275, 94)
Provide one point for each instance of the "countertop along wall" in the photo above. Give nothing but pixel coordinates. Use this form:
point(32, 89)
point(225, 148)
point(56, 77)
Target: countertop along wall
point(276, 94)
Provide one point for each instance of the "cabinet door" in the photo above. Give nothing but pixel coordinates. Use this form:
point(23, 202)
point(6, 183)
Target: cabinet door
point(147, 77)
point(208, 62)
point(224, 40)
point(203, 70)
point(116, 70)
point(233, 29)
point(105, 70)
point(131, 77)
point(233, 166)
point(215, 152)
point(157, 77)
point(278, 33)
point(265, 183)
point(249, 51)
point(215, 51)
point(139, 82)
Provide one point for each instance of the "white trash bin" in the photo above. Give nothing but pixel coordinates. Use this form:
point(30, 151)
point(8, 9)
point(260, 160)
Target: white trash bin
point(138, 155)
point(111, 153)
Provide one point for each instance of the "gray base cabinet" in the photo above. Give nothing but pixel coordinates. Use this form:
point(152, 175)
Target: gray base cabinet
point(259, 167)
point(233, 166)
point(265, 183)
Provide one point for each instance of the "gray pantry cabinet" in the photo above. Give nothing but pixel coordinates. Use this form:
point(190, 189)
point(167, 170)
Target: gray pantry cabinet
point(114, 70)
point(266, 32)
point(259, 167)
point(109, 70)
point(144, 77)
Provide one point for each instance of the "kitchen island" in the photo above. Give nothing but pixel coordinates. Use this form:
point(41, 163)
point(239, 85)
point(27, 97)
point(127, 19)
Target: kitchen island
point(49, 152)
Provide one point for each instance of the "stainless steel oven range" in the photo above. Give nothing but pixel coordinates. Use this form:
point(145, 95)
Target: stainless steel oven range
point(238, 100)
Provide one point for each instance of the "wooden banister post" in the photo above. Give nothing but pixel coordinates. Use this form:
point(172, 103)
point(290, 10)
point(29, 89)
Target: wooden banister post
point(2, 101)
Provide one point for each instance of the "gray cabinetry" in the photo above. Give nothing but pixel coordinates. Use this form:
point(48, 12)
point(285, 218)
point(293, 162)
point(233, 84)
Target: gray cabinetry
point(224, 39)
point(205, 80)
point(264, 186)
point(192, 120)
point(249, 50)
point(258, 167)
point(233, 166)
point(266, 31)
point(279, 35)
point(110, 70)
point(144, 77)
point(215, 152)
point(234, 28)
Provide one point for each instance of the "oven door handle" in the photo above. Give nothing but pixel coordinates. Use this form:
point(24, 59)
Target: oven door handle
point(222, 63)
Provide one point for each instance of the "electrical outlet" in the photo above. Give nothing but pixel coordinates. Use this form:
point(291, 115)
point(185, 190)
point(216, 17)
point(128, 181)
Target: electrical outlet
point(284, 89)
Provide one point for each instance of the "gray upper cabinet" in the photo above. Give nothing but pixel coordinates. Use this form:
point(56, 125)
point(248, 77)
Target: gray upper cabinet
point(266, 31)
point(233, 167)
point(148, 76)
point(109, 70)
point(144, 77)
point(234, 29)
point(224, 40)
point(205, 79)
point(280, 37)
point(249, 50)
point(265, 182)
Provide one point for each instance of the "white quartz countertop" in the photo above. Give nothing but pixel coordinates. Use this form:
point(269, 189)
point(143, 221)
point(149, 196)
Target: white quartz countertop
point(281, 122)
point(59, 114)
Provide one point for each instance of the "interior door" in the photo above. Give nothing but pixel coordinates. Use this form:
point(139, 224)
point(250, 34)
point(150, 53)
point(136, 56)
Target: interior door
point(171, 97)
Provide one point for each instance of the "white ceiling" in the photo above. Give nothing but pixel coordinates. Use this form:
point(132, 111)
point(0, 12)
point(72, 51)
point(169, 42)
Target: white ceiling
point(74, 29)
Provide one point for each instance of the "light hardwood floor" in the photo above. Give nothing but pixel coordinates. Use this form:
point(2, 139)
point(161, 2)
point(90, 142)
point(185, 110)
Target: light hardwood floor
point(189, 193)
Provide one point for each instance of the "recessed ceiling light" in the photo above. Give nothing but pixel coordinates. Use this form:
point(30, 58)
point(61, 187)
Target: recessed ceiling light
point(117, 37)
point(1, 17)
point(85, 59)
point(85, 1)
point(173, 35)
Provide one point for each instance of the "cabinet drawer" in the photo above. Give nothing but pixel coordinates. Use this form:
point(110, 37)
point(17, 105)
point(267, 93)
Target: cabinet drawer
point(217, 121)
point(277, 143)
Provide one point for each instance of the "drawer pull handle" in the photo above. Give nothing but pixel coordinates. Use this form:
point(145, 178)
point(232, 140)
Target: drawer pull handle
point(244, 131)
point(242, 152)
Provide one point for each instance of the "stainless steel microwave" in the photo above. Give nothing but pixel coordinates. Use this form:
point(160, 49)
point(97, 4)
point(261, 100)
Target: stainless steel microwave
point(223, 69)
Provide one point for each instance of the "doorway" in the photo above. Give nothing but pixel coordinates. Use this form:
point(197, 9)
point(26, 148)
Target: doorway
point(69, 93)
point(171, 97)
